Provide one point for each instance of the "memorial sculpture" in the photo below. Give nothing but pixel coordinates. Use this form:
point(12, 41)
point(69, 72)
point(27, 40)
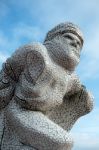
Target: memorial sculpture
point(41, 97)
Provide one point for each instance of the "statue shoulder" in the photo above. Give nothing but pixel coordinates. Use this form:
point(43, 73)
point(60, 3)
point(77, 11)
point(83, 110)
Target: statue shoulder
point(37, 47)
point(22, 56)
point(23, 50)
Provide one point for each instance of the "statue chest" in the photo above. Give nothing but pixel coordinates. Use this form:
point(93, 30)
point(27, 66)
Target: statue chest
point(53, 78)
point(48, 90)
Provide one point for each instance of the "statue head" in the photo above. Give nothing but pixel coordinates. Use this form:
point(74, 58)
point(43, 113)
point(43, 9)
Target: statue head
point(65, 42)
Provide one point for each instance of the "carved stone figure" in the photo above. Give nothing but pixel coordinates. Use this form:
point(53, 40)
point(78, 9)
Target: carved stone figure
point(41, 96)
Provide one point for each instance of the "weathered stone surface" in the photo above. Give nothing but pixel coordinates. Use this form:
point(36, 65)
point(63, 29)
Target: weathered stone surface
point(41, 96)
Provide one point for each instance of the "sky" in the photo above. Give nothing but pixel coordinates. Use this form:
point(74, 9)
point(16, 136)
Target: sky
point(26, 21)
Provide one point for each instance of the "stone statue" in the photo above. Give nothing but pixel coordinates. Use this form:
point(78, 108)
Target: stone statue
point(41, 96)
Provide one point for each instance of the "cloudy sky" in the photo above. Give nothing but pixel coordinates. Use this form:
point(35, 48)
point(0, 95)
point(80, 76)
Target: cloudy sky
point(25, 21)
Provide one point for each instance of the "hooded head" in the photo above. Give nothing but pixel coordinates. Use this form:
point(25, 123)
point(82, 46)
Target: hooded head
point(65, 42)
point(62, 28)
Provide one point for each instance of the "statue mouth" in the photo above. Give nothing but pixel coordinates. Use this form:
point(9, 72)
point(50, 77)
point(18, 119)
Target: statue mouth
point(76, 53)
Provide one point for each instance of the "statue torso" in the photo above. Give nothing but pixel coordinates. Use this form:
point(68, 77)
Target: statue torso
point(49, 88)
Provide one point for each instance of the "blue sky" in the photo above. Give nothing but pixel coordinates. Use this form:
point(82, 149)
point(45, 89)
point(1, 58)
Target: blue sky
point(25, 21)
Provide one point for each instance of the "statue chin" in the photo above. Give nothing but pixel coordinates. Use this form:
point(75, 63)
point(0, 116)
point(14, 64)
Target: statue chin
point(71, 63)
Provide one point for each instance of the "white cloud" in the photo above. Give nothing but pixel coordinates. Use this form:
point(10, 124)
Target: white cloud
point(50, 12)
point(20, 34)
point(86, 141)
point(3, 39)
point(3, 57)
point(26, 31)
point(88, 67)
point(54, 11)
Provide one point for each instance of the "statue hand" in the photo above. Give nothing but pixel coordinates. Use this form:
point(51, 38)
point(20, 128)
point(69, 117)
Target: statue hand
point(82, 101)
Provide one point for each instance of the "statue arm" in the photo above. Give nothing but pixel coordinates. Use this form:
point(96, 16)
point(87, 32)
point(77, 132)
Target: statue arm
point(79, 94)
point(6, 89)
point(83, 100)
point(8, 74)
point(26, 57)
point(23, 57)
point(78, 104)
point(75, 104)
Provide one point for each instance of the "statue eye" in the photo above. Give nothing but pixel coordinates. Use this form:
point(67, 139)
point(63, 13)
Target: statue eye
point(78, 43)
point(68, 36)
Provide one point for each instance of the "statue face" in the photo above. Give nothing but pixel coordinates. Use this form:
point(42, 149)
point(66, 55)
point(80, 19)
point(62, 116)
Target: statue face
point(74, 42)
point(66, 48)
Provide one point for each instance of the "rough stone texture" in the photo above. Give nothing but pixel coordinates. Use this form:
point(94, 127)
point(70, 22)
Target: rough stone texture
point(41, 96)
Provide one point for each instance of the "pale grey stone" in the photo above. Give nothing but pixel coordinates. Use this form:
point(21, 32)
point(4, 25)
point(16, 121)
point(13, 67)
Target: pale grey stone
point(41, 97)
